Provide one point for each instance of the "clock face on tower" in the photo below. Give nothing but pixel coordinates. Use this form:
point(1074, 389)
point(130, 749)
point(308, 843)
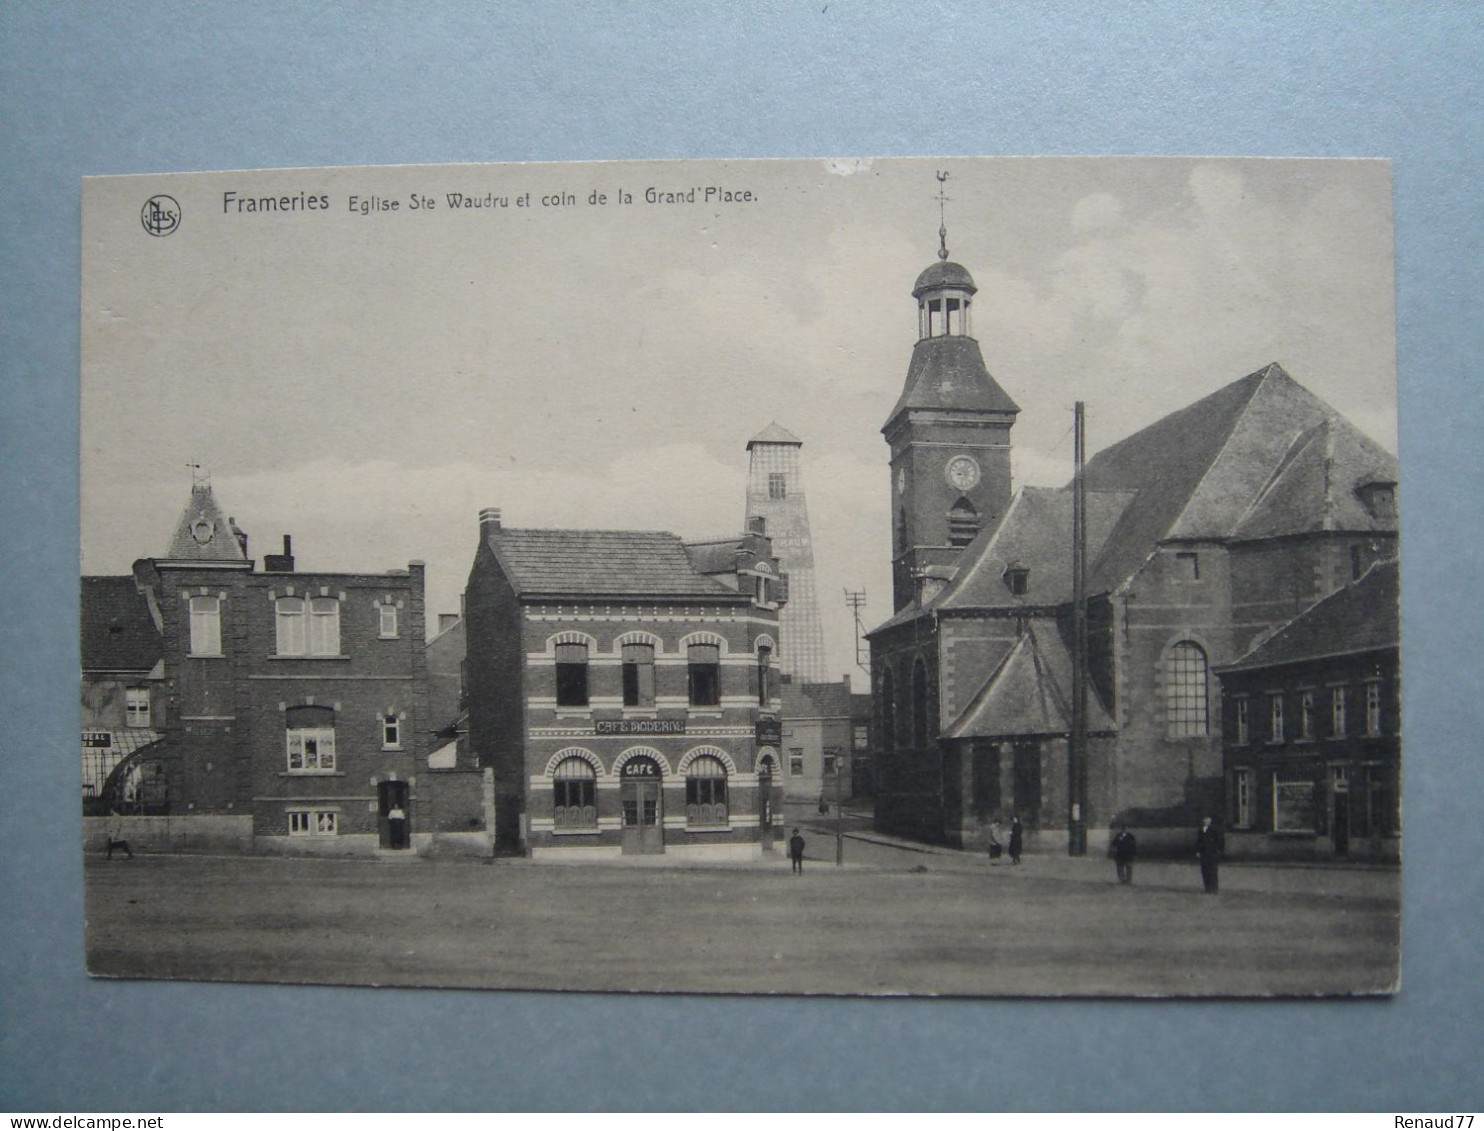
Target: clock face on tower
point(962, 472)
point(901, 481)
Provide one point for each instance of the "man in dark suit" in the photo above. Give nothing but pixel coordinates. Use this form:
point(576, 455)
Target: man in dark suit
point(1208, 852)
point(796, 851)
point(1124, 849)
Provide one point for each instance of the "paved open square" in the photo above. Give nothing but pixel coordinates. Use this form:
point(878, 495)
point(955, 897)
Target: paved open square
point(889, 922)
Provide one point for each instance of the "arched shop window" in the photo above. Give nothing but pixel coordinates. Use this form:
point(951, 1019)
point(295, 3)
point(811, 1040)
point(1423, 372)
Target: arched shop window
point(575, 804)
point(706, 793)
point(1185, 691)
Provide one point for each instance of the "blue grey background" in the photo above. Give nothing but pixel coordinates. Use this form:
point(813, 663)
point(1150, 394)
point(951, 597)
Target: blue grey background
point(132, 87)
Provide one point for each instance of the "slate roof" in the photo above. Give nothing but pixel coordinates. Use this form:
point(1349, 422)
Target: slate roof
point(220, 546)
point(617, 563)
point(1314, 488)
point(949, 372)
point(775, 433)
point(1029, 692)
point(1199, 471)
point(815, 700)
point(1362, 617)
point(118, 634)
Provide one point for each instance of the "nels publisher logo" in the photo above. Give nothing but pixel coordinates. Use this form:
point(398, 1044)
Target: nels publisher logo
point(160, 215)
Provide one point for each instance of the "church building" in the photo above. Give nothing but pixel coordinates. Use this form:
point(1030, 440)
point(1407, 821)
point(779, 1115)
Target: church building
point(1205, 530)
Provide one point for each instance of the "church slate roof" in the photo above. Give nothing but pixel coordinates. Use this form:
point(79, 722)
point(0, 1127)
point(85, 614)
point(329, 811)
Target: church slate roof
point(118, 633)
point(1199, 471)
point(219, 545)
point(949, 373)
point(1029, 693)
point(616, 563)
point(775, 433)
point(1314, 488)
point(1362, 617)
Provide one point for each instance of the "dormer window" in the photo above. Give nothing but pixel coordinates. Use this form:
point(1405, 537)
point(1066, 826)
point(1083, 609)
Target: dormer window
point(1378, 496)
point(1017, 579)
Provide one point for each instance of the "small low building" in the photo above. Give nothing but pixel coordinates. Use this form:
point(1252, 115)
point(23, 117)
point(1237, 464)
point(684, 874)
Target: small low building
point(1311, 728)
point(817, 740)
point(622, 687)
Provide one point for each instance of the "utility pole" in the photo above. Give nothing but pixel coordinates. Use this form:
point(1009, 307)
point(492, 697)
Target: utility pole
point(1077, 742)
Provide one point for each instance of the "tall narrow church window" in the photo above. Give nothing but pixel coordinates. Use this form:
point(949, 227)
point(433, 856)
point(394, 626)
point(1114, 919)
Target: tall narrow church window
point(1185, 691)
point(919, 704)
point(888, 701)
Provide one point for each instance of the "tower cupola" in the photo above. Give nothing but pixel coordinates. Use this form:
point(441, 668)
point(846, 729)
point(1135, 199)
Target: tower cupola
point(943, 293)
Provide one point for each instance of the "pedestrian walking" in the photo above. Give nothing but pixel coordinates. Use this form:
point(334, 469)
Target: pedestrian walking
point(796, 851)
point(1124, 848)
point(115, 835)
point(1208, 852)
point(396, 819)
point(996, 846)
point(1017, 838)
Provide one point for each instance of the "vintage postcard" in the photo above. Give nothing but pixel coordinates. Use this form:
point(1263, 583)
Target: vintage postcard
point(906, 576)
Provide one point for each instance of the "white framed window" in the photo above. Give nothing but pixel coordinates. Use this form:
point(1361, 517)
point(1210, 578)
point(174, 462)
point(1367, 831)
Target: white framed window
point(391, 732)
point(831, 760)
point(311, 750)
point(1275, 717)
point(1373, 709)
point(1244, 726)
point(388, 625)
point(706, 793)
point(206, 626)
point(796, 760)
point(136, 706)
point(1242, 798)
point(324, 627)
point(307, 627)
point(1306, 715)
point(314, 822)
point(1185, 691)
point(777, 485)
point(1337, 712)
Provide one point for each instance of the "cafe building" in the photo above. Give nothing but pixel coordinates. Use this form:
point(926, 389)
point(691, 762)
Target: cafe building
point(622, 687)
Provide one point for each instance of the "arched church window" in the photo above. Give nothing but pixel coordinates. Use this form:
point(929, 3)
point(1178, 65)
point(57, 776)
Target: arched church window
point(1186, 679)
point(888, 701)
point(919, 704)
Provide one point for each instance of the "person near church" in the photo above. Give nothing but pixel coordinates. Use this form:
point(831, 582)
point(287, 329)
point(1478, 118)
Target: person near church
point(1017, 838)
point(1124, 848)
point(1208, 853)
point(116, 841)
point(796, 851)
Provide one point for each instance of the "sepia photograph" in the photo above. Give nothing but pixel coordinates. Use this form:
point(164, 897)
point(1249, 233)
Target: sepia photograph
point(903, 576)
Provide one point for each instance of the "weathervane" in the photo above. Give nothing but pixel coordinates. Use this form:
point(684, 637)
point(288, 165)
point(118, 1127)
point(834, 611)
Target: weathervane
point(200, 477)
point(942, 199)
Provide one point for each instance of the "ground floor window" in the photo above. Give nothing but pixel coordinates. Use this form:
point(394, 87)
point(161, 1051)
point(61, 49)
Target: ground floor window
point(313, 822)
point(796, 760)
point(1294, 810)
point(706, 792)
point(576, 799)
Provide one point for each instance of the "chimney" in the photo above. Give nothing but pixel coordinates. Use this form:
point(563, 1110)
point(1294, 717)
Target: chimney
point(447, 621)
point(280, 563)
point(489, 523)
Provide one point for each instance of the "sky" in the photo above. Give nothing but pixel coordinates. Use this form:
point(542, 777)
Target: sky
point(367, 382)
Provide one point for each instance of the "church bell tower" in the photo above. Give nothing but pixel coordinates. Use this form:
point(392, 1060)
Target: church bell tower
point(949, 435)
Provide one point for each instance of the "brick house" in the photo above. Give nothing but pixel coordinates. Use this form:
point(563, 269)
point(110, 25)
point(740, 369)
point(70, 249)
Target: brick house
point(1311, 723)
point(291, 705)
point(623, 688)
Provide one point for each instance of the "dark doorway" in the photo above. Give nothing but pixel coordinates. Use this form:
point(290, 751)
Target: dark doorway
point(393, 823)
point(986, 770)
point(1027, 778)
point(765, 800)
point(1339, 826)
point(639, 793)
